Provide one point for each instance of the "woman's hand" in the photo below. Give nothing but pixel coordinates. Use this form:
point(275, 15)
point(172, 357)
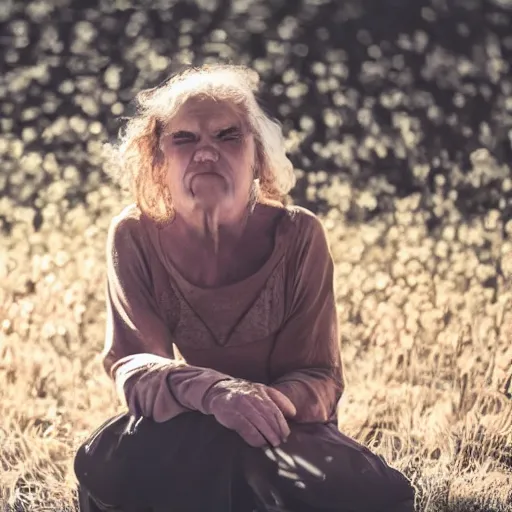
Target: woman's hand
point(257, 412)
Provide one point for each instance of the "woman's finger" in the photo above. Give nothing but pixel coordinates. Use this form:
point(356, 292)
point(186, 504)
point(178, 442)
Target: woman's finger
point(248, 432)
point(279, 422)
point(262, 417)
point(282, 401)
point(284, 428)
point(272, 412)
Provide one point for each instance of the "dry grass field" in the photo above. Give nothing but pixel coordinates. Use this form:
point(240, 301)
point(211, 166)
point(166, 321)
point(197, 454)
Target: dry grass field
point(387, 97)
point(425, 335)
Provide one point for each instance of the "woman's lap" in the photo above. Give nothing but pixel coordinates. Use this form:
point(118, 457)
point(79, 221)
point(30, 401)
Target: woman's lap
point(187, 460)
point(324, 469)
point(195, 462)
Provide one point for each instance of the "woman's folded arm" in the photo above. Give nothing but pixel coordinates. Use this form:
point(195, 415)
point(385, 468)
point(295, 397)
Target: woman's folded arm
point(138, 353)
point(306, 364)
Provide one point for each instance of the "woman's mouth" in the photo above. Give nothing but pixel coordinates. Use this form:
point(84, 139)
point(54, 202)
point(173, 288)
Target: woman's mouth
point(207, 183)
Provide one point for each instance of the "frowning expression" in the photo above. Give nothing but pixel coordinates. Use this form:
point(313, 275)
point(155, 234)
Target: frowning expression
point(210, 153)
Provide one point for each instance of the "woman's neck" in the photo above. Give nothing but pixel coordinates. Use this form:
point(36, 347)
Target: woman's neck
point(241, 249)
point(210, 232)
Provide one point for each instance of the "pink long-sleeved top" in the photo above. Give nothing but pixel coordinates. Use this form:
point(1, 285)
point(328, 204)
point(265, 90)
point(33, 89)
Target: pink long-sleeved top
point(277, 327)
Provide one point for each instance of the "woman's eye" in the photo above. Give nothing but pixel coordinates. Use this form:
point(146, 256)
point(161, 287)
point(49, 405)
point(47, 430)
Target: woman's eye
point(230, 136)
point(181, 138)
point(178, 141)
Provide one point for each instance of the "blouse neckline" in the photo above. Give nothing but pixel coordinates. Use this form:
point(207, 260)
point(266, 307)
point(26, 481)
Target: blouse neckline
point(256, 276)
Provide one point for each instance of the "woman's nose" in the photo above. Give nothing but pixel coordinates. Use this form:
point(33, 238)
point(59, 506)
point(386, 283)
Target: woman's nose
point(206, 154)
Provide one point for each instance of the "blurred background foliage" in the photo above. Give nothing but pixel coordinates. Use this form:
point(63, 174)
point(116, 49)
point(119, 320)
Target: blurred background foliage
point(386, 98)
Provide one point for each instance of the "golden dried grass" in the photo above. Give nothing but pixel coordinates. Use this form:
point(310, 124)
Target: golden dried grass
point(425, 333)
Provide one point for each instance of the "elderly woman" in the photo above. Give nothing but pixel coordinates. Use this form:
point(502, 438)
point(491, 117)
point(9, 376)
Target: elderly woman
point(222, 327)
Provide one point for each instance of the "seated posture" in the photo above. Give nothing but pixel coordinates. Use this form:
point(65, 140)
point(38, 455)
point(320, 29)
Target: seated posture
point(222, 335)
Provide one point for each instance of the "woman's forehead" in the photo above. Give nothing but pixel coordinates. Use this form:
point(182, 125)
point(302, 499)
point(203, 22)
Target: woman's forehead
point(199, 111)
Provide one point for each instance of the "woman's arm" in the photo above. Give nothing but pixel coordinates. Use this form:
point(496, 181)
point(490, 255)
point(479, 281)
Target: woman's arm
point(138, 353)
point(306, 364)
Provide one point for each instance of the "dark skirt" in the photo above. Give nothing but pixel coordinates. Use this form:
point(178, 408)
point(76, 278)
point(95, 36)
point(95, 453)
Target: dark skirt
point(193, 464)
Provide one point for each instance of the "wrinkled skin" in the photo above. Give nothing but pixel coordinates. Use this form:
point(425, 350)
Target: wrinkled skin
point(256, 412)
point(211, 157)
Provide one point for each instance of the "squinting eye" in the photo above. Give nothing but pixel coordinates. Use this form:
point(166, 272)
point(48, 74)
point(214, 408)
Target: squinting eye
point(230, 136)
point(183, 139)
point(177, 139)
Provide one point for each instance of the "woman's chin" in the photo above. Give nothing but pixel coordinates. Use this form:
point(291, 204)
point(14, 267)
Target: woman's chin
point(209, 189)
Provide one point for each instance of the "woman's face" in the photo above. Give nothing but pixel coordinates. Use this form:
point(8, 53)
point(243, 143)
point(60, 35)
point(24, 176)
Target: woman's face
point(210, 154)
